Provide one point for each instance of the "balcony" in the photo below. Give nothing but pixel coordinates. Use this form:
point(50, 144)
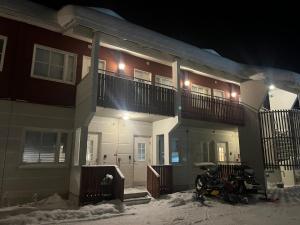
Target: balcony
point(202, 107)
point(122, 92)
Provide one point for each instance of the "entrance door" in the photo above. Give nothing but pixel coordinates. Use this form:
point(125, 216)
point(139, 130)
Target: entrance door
point(141, 158)
point(92, 150)
point(222, 152)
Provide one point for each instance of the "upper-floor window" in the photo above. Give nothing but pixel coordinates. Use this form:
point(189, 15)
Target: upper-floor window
point(3, 41)
point(53, 64)
point(45, 146)
point(142, 76)
point(86, 66)
point(219, 93)
point(200, 90)
point(165, 82)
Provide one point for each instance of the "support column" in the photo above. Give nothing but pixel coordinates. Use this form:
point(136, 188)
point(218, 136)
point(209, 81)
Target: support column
point(176, 81)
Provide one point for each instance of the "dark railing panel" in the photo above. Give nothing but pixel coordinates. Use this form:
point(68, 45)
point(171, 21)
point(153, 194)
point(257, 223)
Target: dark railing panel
point(90, 183)
point(127, 94)
point(197, 106)
point(225, 170)
point(280, 138)
point(153, 182)
point(166, 178)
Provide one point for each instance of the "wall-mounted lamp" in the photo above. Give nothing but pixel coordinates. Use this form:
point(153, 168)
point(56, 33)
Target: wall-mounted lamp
point(233, 94)
point(121, 66)
point(272, 87)
point(186, 83)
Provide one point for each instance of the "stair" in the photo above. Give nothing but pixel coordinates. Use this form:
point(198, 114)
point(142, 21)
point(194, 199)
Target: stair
point(136, 198)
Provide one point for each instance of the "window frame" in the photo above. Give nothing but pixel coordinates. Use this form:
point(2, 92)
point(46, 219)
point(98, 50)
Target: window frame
point(56, 163)
point(4, 38)
point(224, 97)
point(66, 56)
point(85, 57)
point(142, 80)
point(200, 86)
point(164, 85)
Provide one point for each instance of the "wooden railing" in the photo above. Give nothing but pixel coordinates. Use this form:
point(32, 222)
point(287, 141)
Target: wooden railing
point(121, 92)
point(91, 190)
point(198, 106)
point(153, 182)
point(166, 178)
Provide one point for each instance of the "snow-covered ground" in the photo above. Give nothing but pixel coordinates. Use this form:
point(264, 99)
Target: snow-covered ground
point(177, 208)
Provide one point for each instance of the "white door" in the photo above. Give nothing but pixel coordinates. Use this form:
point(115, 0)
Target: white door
point(222, 152)
point(141, 159)
point(86, 66)
point(92, 150)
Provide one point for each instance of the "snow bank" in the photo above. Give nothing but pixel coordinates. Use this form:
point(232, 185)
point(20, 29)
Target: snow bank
point(56, 210)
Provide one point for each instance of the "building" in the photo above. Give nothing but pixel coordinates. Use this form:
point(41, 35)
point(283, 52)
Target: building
point(82, 86)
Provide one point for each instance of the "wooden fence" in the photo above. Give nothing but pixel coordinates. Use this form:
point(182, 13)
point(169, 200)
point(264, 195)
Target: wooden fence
point(91, 189)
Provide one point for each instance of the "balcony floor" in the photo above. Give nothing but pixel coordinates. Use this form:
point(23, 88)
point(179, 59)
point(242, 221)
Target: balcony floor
point(115, 113)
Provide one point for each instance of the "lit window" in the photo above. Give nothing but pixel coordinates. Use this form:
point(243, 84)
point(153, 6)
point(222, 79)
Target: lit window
point(141, 154)
point(221, 152)
point(86, 66)
point(3, 41)
point(53, 64)
point(45, 147)
point(142, 76)
point(163, 82)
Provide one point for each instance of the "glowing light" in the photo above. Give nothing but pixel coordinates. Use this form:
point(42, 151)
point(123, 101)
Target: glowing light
point(186, 83)
point(125, 117)
point(233, 94)
point(272, 87)
point(121, 66)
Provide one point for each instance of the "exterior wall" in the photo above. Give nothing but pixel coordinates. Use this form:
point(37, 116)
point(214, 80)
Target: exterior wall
point(113, 57)
point(211, 83)
point(163, 127)
point(281, 99)
point(192, 139)
point(117, 141)
point(22, 181)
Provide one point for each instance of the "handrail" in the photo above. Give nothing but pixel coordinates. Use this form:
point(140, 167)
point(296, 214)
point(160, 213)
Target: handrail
point(153, 182)
point(127, 77)
point(154, 171)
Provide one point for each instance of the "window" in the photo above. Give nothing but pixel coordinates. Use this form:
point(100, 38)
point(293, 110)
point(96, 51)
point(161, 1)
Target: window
point(53, 64)
point(219, 93)
point(198, 102)
point(86, 66)
point(222, 152)
point(178, 153)
point(142, 76)
point(3, 41)
point(45, 147)
point(163, 82)
point(200, 90)
point(160, 148)
point(141, 154)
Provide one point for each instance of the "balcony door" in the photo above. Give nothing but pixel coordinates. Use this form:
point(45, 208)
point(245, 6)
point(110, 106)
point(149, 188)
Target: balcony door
point(142, 146)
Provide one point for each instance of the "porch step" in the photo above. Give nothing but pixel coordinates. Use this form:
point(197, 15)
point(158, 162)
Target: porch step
point(137, 201)
point(136, 194)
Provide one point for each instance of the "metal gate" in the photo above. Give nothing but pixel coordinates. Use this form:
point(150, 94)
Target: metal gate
point(280, 136)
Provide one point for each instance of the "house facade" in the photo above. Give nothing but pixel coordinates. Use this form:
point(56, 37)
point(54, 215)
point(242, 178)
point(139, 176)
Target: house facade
point(81, 87)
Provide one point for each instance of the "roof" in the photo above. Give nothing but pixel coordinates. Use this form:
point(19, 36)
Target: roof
point(117, 31)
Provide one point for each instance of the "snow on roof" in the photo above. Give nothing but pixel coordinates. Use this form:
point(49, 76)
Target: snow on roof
point(108, 12)
point(211, 51)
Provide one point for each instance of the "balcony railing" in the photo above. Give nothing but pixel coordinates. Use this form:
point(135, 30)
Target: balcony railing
point(122, 92)
point(202, 107)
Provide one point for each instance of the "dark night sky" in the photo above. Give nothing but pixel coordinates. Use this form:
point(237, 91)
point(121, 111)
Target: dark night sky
point(266, 35)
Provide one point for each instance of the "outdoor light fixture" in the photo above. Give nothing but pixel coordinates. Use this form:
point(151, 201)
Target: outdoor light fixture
point(233, 94)
point(121, 66)
point(125, 117)
point(272, 87)
point(186, 83)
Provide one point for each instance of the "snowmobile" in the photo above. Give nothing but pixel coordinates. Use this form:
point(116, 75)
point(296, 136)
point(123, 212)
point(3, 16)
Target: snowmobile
point(208, 183)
